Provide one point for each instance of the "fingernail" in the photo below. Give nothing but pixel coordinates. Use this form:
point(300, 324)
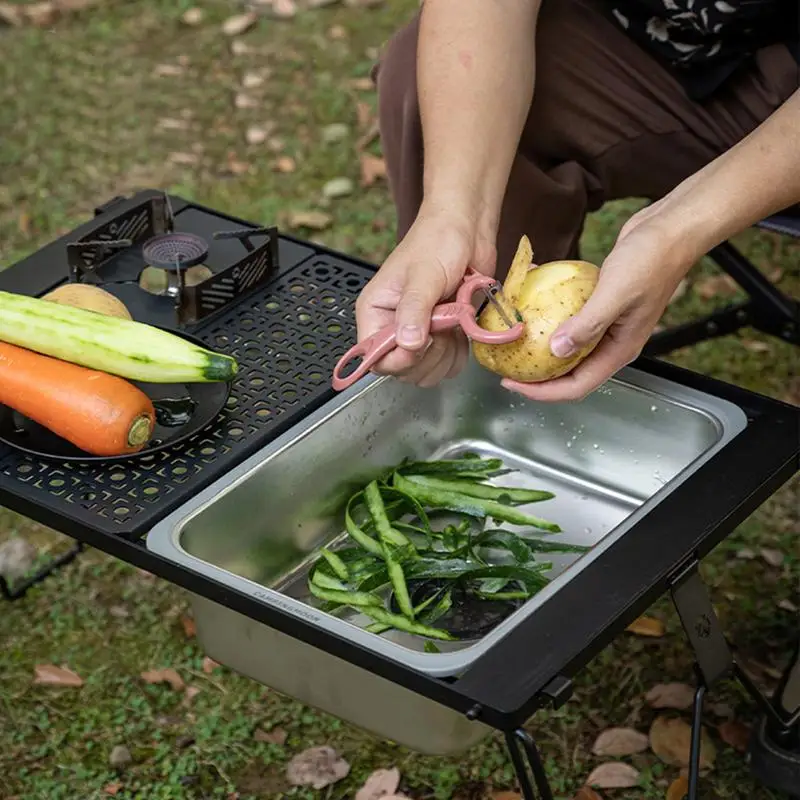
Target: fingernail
point(410, 336)
point(561, 346)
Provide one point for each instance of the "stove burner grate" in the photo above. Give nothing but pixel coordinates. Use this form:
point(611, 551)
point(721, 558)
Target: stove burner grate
point(175, 251)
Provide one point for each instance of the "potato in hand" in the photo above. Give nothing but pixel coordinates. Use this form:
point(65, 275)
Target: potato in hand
point(546, 296)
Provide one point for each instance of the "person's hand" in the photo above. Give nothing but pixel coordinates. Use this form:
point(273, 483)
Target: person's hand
point(636, 282)
point(425, 269)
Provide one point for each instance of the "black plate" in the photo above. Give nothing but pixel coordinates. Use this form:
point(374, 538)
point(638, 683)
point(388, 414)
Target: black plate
point(206, 401)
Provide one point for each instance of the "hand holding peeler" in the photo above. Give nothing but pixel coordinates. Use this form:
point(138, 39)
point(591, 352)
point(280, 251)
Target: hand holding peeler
point(445, 316)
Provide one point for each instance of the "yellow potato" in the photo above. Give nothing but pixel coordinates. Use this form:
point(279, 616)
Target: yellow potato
point(546, 296)
point(89, 298)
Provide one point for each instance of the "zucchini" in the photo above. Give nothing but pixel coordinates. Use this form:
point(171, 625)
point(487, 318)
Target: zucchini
point(120, 347)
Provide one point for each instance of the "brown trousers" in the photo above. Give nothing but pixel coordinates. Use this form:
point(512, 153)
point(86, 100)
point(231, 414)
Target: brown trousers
point(607, 122)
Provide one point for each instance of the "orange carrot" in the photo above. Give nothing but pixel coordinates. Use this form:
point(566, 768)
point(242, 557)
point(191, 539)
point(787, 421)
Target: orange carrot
point(100, 413)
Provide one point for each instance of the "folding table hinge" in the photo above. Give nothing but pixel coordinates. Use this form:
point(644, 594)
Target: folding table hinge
point(558, 691)
point(700, 622)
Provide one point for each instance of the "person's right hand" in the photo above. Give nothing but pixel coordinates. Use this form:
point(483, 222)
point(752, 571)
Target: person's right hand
point(425, 269)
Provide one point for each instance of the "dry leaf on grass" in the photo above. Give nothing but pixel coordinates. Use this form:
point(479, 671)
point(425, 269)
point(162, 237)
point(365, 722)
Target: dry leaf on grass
point(754, 346)
point(285, 164)
point(256, 135)
point(190, 693)
point(679, 696)
point(363, 114)
point(614, 775)
point(734, 733)
point(620, 742)
point(209, 665)
point(647, 626)
point(670, 740)
point(787, 605)
point(678, 788)
point(284, 9)
point(773, 557)
point(167, 675)
point(506, 796)
point(189, 628)
point(50, 675)
point(168, 70)
point(275, 736)
point(112, 789)
point(381, 783)
point(242, 100)
point(373, 169)
point(715, 286)
point(239, 23)
point(313, 220)
point(192, 16)
point(587, 793)
point(317, 767)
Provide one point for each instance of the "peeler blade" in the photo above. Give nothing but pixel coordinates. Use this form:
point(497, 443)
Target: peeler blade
point(491, 297)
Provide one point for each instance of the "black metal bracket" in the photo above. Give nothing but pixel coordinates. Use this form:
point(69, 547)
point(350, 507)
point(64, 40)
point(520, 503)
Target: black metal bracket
point(21, 590)
point(714, 661)
point(528, 763)
point(768, 310)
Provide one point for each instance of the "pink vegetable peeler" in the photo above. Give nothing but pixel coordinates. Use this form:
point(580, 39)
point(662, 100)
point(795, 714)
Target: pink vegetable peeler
point(445, 316)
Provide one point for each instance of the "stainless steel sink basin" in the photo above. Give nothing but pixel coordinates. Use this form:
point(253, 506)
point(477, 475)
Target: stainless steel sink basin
point(608, 459)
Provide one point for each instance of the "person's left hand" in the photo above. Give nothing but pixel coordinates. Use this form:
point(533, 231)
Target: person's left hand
point(636, 282)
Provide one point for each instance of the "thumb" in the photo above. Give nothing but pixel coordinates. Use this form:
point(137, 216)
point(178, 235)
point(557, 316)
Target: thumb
point(588, 325)
point(413, 314)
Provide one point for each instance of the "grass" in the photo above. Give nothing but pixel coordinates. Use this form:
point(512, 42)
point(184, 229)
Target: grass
point(82, 113)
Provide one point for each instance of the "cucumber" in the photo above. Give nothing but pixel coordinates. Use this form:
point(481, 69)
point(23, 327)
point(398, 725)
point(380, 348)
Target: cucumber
point(120, 347)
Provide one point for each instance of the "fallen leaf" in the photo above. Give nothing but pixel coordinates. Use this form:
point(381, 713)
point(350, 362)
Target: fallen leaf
point(337, 33)
point(17, 556)
point(169, 124)
point(189, 628)
point(51, 675)
point(670, 740)
point(285, 164)
point(734, 733)
point(787, 605)
point(193, 16)
point(239, 47)
point(338, 187)
point(256, 135)
point(382, 782)
point(620, 742)
point(773, 557)
point(242, 100)
point(190, 693)
point(670, 695)
point(41, 15)
point(715, 286)
point(209, 665)
point(112, 788)
point(362, 84)
point(284, 9)
point(363, 114)
point(335, 132)
point(168, 70)
point(183, 159)
point(239, 23)
point(613, 775)
point(372, 169)
point(506, 796)
point(317, 767)
point(587, 793)
point(678, 788)
point(755, 347)
point(120, 757)
point(167, 675)
point(11, 14)
point(746, 554)
point(120, 612)
point(252, 80)
point(275, 736)
point(647, 626)
point(314, 220)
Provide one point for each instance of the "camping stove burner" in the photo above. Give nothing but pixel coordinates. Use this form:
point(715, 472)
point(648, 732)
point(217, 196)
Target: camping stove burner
point(175, 251)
